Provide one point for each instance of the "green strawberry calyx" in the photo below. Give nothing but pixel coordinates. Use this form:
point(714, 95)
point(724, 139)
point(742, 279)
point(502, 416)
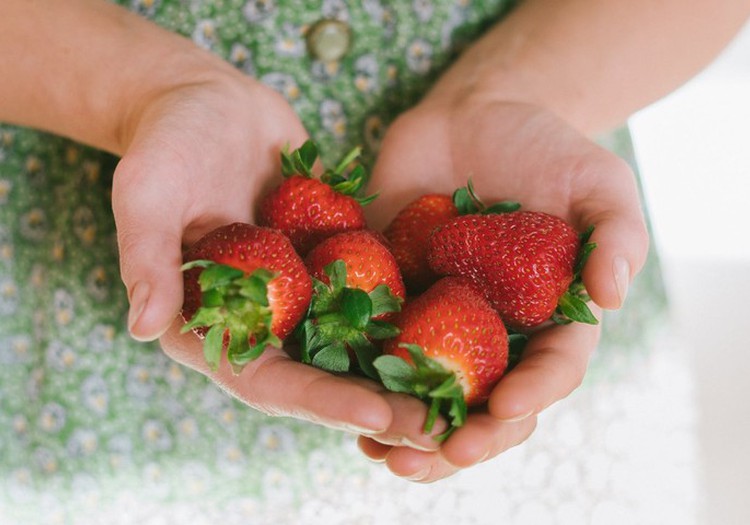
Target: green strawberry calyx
point(341, 318)
point(467, 202)
point(234, 306)
point(572, 304)
point(429, 381)
point(344, 178)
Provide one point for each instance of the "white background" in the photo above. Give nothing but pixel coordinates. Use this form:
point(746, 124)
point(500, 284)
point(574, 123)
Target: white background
point(693, 149)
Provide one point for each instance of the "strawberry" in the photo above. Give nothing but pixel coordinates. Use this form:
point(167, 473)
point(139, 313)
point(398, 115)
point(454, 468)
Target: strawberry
point(527, 263)
point(409, 232)
point(451, 352)
point(357, 289)
point(308, 210)
point(245, 289)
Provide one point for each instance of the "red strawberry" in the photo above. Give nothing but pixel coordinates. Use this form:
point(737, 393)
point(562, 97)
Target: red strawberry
point(308, 210)
point(409, 234)
point(357, 289)
point(245, 288)
point(452, 349)
point(527, 263)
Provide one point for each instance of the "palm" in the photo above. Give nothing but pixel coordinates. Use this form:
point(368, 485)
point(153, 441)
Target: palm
point(522, 153)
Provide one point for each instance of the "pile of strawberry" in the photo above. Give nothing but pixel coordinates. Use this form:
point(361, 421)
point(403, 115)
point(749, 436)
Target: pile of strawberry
point(434, 306)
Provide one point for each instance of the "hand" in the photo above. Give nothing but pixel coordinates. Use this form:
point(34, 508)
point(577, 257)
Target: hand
point(520, 152)
point(200, 155)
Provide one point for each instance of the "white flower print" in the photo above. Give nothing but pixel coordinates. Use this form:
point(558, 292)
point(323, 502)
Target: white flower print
point(325, 70)
point(374, 132)
point(52, 418)
point(241, 58)
point(145, 7)
point(60, 356)
point(333, 118)
point(5, 187)
point(419, 56)
point(230, 459)
point(20, 425)
point(374, 8)
point(83, 442)
point(275, 439)
point(15, 350)
point(33, 224)
point(140, 382)
point(84, 225)
point(101, 338)
point(95, 394)
point(366, 73)
point(175, 376)
point(456, 18)
point(8, 296)
point(120, 449)
point(64, 306)
point(204, 34)
point(156, 435)
point(336, 9)
point(98, 283)
point(188, 428)
point(6, 245)
point(259, 10)
point(289, 42)
point(282, 83)
point(277, 487)
point(423, 9)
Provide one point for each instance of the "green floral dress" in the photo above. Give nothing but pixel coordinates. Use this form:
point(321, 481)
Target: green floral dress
point(97, 428)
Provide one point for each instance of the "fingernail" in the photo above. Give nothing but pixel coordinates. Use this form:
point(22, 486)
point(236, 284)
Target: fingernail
point(516, 419)
point(621, 271)
point(419, 475)
point(417, 446)
point(138, 301)
point(365, 431)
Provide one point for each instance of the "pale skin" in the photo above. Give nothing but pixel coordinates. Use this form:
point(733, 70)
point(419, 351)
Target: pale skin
point(199, 143)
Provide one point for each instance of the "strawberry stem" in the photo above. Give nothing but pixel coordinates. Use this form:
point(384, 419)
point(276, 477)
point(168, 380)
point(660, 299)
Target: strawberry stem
point(342, 319)
point(235, 310)
point(572, 304)
point(429, 381)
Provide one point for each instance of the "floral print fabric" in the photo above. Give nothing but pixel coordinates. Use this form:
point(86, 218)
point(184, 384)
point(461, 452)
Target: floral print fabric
point(92, 420)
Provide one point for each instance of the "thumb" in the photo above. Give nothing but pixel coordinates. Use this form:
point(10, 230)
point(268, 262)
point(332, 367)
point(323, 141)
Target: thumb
point(149, 237)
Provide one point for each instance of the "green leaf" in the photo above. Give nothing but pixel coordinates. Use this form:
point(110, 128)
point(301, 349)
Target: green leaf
point(204, 317)
point(366, 353)
point(306, 156)
point(501, 207)
point(336, 272)
point(516, 345)
point(218, 275)
point(463, 202)
point(383, 301)
point(198, 263)
point(350, 157)
point(356, 307)
point(364, 201)
point(213, 345)
point(381, 330)
point(575, 309)
point(396, 374)
point(333, 358)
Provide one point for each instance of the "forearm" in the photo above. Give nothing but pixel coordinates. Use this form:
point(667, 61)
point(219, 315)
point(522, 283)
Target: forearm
point(83, 68)
point(595, 62)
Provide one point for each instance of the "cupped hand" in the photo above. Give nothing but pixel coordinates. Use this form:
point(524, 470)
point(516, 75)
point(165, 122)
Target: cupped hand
point(521, 152)
point(199, 156)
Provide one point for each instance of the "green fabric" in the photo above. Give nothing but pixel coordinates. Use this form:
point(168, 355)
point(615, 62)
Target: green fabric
point(90, 419)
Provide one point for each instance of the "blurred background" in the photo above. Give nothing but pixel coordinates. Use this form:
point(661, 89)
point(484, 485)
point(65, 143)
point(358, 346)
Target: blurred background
point(693, 149)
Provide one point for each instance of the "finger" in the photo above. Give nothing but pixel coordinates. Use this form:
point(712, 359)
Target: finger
point(149, 237)
point(481, 438)
point(620, 235)
point(552, 366)
point(407, 426)
point(374, 450)
point(276, 385)
point(484, 437)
